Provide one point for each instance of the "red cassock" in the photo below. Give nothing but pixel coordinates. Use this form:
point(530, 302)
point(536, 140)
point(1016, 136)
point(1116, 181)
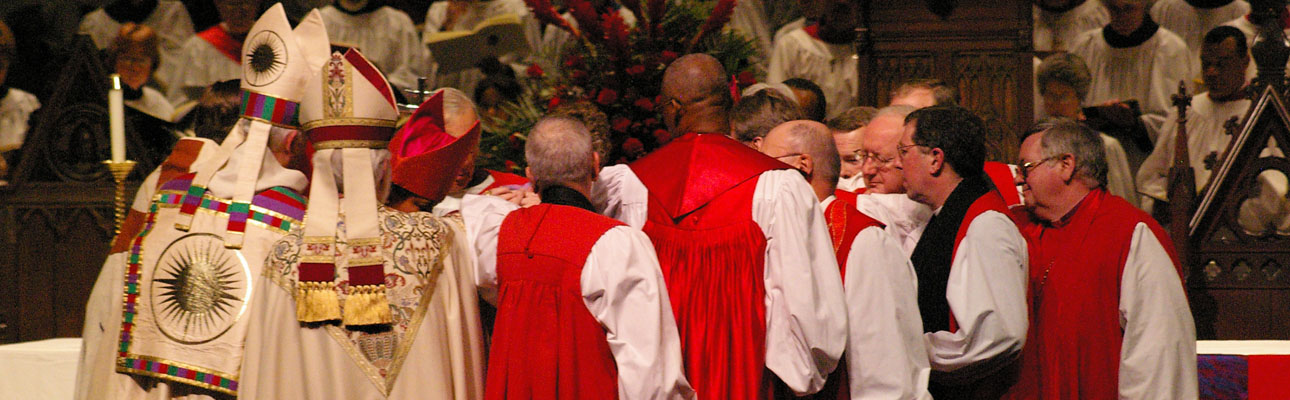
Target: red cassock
point(546, 344)
point(712, 253)
point(1073, 345)
point(845, 222)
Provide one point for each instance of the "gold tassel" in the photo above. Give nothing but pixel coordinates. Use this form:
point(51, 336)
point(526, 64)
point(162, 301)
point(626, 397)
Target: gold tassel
point(317, 301)
point(367, 305)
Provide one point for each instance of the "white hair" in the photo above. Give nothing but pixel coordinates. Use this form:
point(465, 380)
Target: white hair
point(455, 102)
point(779, 87)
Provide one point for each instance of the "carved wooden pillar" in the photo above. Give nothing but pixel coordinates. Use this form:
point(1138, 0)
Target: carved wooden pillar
point(981, 48)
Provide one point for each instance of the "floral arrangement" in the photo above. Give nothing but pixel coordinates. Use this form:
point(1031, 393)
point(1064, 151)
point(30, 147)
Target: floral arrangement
point(619, 68)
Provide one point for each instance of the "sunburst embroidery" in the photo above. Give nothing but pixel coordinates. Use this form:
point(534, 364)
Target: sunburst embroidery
point(197, 288)
point(267, 59)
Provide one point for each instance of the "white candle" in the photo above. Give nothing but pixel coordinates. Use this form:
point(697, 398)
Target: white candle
point(116, 117)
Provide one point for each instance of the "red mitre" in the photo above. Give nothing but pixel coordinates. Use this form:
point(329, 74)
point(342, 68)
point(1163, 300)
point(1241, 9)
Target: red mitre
point(426, 158)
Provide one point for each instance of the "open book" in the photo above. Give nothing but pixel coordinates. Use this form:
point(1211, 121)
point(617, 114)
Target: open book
point(460, 50)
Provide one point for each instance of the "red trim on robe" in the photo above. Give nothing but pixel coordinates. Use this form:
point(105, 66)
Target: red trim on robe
point(546, 344)
point(991, 201)
point(222, 41)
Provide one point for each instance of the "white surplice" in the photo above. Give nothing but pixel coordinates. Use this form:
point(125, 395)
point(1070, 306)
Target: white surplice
point(1158, 351)
point(1205, 136)
point(749, 20)
point(153, 103)
point(622, 286)
point(805, 318)
point(1119, 177)
point(831, 66)
point(885, 355)
point(1192, 23)
point(385, 36)
point(197, 66)
point(905, 219)
point(170, 20)
point(435, 351)
point(1149, 72)
point(1057, 31)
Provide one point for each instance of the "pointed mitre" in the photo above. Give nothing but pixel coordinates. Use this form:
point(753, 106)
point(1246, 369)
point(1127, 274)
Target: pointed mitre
point(426, 157)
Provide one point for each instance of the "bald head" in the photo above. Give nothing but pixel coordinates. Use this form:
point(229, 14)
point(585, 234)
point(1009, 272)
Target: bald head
point(697, 90)
point(808, 146)
point(559, 152)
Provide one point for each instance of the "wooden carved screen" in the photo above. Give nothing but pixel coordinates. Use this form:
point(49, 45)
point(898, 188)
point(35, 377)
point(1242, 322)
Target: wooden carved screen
point(56, 216)
point(981, 48)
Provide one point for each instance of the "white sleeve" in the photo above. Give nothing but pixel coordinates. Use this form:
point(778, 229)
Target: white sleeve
point(483, 216)
point(1158, 354)
point(1152, 177)
point(619, 194)
point(781, 57)
point(886, 358)
point(987, 297)
point(805, 315)
point(622, 285)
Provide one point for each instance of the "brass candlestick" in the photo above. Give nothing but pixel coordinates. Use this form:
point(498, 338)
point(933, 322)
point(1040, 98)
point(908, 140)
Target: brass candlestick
point(120, 170)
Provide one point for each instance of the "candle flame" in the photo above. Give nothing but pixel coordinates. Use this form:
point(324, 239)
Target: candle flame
point(116, 81)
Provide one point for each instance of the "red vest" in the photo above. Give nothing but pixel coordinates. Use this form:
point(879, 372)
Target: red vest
point(712, 254)
point(845, 222)
point(546, 344)
point(1073, 345)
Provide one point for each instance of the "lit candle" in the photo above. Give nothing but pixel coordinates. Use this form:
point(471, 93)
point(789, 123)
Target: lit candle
point(116, 116)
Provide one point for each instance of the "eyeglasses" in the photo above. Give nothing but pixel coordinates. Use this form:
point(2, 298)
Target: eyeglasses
point(1026, 167)
point(781, 158)
point(902, 149)
point(865, 157)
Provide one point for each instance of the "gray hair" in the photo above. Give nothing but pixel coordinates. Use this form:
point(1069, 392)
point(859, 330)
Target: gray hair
point(559, 151)
point(899, 111)
point(380, 171)
point(816, 140)
point(853, 118)
point(1067, 69)
point(456, 103)
point(758, 113)
point(1065, 136)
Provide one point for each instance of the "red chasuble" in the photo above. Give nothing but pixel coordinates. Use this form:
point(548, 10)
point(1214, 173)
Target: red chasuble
point(221, 40)
point(1073, 345)
point(546, 344)
point(845, 222)
point(701, 188)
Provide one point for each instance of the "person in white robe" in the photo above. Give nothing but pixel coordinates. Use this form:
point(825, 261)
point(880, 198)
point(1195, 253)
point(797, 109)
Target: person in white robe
point(1063, 81)
point(1224, 59)
point(464, 15)
point(1132, 58)
point(823, 54)
point(748, 19)
point(385, 35)
point(168, 18)
point(1251, 30)
point(134, 55)
point(879, 282)
point(1059, 22)
point(212, 55)
point(1192, 19)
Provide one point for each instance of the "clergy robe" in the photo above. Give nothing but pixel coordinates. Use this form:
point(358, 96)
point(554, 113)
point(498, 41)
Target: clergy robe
point(800, 54)
point(152, 102)
point(479, 11)
point(386, 36)
point(483, 181)
point(1119, 176)
point(432, 350)
point(903, 217)
point(1206, 139)
point(971, 264)
point(588, 318)
point(1145, 66)
point(885, 357)
point(752, 279)
point(169, 19)
point(1109, 318)
point(210, 56)
point(1191, 23)
point(1057, 30)
point(103, 309)
point(16, 107)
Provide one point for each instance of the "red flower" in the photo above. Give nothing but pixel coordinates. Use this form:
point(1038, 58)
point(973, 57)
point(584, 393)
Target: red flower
point(633, 146)
point(606, 97)
point(573, 60)
point(662, 136)
point(746, 78)
point(669, 56)
point(645, 104)
point(534, 71)
point(636, 69)
point(621, 124)
point(555, 102)
point(650, 121)
point(511, 166)
point(515, 141)
point(578, 75)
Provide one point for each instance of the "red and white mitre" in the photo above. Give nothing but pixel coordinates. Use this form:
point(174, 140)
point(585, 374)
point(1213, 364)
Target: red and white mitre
point(426, 157)
point(349, 108)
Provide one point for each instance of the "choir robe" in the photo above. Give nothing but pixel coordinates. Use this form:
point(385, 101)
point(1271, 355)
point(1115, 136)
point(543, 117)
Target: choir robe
point(386, 36)
point(103, 308)
point(1250, 30)
point(1119, 176)
point(490, 180)
point(1206, 139)
point(1057, 31)
point(834, 67)
point(1191, 23)
point(903, 217)
point(607, 331)
point(1148, 72)
point(210, 56)
point(16, 107)
point(748, 18)
point(169, 19)
point(1109, 317)
point(480, 11)
point(778, 304)
point(152, 102)
point(885, 357)
point(971, 264)
point(432, 350)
